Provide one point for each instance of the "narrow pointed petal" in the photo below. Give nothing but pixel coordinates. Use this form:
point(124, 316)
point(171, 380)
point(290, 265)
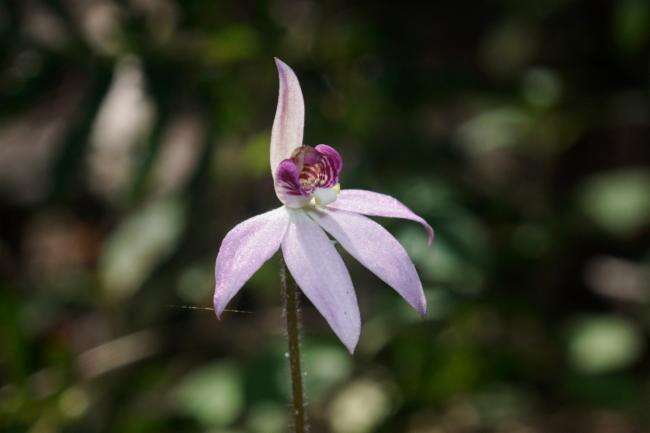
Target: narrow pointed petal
point(289, 117)
point(321, 274)
point(244, 249)
point(377, 250)
point(375, 204)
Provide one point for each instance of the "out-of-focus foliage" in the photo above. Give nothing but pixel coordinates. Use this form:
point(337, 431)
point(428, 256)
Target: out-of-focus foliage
point(134, 134)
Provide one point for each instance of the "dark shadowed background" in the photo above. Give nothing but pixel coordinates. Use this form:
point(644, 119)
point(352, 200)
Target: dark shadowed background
point(134, 134)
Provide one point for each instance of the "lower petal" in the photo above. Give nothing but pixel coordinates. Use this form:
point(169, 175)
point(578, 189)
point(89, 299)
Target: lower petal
point(244, 249)
point(377, 250)
point(319, 271)
point(376, 204)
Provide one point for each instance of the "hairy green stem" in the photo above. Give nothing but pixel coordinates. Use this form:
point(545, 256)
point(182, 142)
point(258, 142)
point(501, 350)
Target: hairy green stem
point(292, 316)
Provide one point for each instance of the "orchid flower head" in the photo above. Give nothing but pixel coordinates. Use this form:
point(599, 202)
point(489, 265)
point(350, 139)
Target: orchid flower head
point(306, 181)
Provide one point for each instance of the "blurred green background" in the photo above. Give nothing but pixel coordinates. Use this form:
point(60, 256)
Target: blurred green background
point(134, 134)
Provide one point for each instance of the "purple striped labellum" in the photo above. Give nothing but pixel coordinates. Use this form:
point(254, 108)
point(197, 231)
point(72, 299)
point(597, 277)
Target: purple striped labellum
point(310, 176)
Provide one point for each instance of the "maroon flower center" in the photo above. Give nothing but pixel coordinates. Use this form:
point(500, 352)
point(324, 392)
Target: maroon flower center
point(309, 169)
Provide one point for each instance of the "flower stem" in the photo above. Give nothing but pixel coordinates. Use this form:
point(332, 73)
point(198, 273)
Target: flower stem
point(292, 316)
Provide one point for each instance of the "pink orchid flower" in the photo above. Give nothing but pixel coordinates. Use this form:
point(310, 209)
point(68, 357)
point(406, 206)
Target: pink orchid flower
point(307, 183)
